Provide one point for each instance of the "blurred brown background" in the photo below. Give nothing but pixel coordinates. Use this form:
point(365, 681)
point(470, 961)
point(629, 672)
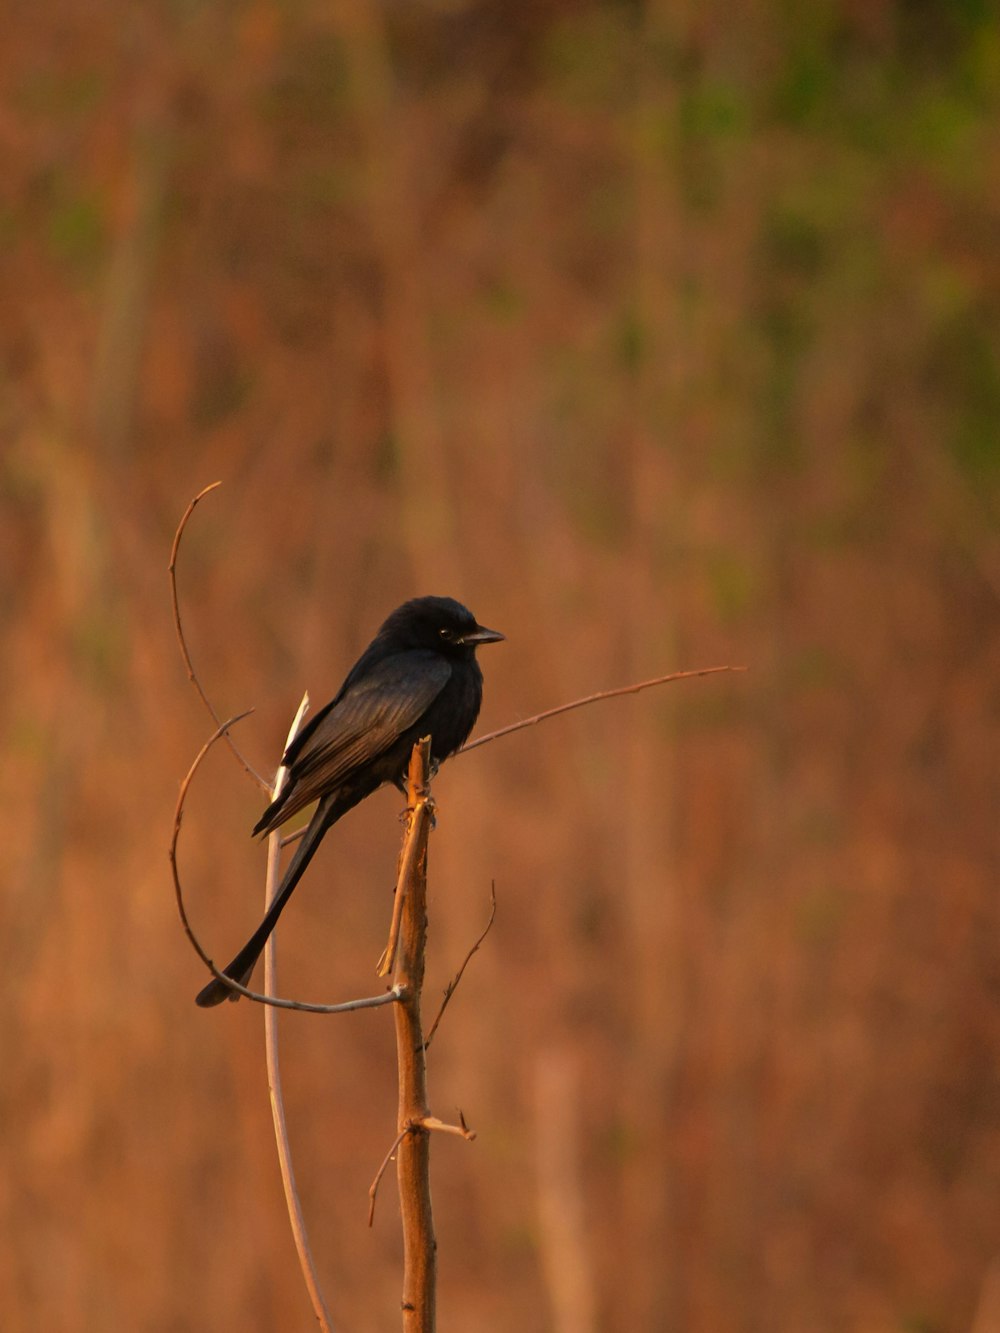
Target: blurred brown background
point(664, 336)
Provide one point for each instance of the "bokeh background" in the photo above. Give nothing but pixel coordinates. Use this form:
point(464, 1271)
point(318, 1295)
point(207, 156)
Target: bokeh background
point(665, 336)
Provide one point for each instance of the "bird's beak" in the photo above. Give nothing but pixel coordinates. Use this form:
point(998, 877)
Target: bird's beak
point(482, 635)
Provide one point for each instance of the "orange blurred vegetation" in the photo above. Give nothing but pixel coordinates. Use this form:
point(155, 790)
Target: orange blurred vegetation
point(663, 336)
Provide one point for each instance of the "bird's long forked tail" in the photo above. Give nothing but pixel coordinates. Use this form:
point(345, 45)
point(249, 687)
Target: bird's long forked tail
point(327, 812)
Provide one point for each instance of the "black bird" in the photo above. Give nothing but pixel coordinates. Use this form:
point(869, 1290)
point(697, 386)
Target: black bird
point(418, 676)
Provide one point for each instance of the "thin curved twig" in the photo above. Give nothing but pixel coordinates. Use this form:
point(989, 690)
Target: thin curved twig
point(391, 996)
point(178, 626)
point(591, 699)
point(373, 1187)
point(452, 985)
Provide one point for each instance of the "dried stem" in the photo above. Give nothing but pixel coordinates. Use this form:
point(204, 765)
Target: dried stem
point(413, 1157)
point(178, 816)
point(461, 1131)
point(373, 1187)
point(593, 699)
point(178, 626)
point(292, 1201)
point(453, 984)
point(407, 860)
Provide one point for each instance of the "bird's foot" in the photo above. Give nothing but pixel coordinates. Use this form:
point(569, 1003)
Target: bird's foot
point(407, 812)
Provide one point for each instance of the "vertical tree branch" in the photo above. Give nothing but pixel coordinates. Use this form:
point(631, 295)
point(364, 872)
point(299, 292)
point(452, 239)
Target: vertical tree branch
point(413, 1160)
point(292, 1200)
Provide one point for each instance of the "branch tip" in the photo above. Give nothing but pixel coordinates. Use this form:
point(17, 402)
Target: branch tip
point(181, 639)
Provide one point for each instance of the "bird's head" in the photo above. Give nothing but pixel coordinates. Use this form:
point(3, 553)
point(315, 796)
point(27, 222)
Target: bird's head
point(440, 623)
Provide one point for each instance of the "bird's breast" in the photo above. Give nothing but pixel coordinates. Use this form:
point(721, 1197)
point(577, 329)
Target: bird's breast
point(453, 714)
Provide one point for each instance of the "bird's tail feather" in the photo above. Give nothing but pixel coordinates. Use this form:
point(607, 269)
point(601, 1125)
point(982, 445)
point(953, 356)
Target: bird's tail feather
point(272, 816)
point(327, 813)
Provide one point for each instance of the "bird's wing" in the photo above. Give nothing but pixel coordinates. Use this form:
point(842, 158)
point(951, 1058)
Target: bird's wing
point(365, 720)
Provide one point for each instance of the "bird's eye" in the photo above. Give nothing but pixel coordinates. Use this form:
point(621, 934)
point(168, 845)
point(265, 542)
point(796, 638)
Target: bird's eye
point(445, 632)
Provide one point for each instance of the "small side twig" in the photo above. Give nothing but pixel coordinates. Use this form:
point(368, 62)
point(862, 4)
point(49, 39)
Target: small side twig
point(592, 699)
point(461, 1130)
point(373, 1187)
point(430, 1123)
point(179, 628)
point(452, 985)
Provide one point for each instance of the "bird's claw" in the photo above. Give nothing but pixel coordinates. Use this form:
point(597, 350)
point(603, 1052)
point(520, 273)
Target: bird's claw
point(408, 811)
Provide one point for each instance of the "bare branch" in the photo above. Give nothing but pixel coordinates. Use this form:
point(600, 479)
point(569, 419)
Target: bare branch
point(592, 699)
point(293, 1203)
point(417, 815)
point(413, 1160)
point(461, 1130)
point(178, 626)
point(178, 816)
point(453, 984)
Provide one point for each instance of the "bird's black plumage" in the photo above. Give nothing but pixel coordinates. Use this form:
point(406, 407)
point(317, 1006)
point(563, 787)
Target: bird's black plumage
point(418, 676)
